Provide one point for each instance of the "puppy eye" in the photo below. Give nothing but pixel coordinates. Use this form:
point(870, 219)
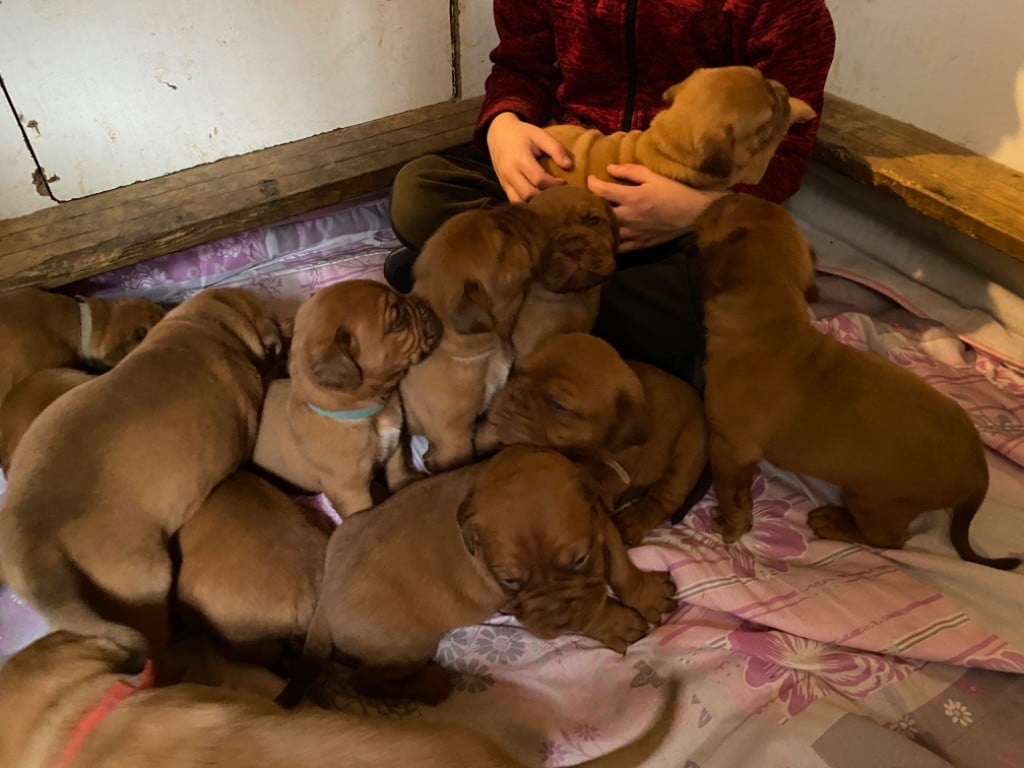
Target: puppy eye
point(580, 561)
point(593, 219)
point(399, 322)
point(556, 406)
point(513, 585)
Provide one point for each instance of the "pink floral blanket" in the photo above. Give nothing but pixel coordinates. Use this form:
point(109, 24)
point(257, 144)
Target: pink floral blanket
point(790, 650)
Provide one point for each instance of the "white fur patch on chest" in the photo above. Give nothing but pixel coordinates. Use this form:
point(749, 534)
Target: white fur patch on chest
point(388, 442)
point(498, 369)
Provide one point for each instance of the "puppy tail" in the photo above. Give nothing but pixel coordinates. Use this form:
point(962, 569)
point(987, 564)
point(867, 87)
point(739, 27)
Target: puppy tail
point(959, 533)
point(644, 747)
point(316, 651)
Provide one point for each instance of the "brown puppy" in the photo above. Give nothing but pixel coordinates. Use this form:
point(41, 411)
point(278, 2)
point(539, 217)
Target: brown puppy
point(520, 532)
point(48, 690)
point(576, 395)
point(721, 127)
point(27, 399)
point(251, 564)
point(777, 389)
point(338, 417)
point(474, 272)
point(578, 258)
point(114, 467)
point(41, 330)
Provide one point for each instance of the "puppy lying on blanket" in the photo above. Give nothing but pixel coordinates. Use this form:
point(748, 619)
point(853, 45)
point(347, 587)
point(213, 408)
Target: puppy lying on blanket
point(41, 330)
point(579, 257)
point(114, 467)
point(576, 395)
point(338, 417)
point(721, 127)
point(71, 700)
point(521, 532)
point(473, 272)
point(777, 389)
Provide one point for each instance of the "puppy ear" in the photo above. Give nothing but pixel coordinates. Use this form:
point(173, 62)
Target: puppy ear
point(472, 314)
point(632, 425)
point(800, 111)
point(470, 535)
point(714, 153)
point(670, 94)
point(336, 369)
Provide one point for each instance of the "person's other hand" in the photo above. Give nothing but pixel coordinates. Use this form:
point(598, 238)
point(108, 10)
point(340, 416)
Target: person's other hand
point(651, 208)
point(514, 147)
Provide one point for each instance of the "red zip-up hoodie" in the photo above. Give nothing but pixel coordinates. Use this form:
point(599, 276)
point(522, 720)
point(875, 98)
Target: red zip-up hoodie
point(606, 63)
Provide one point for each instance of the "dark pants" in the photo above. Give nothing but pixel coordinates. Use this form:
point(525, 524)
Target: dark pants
point(650, 308)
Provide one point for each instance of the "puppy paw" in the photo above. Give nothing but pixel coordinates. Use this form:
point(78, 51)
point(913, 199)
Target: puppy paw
point(635, 521)
point(655, 596)
point(730, 529)
point(833, 523)
point(620, 627)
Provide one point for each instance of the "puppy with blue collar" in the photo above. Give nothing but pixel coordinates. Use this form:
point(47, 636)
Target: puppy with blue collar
point(338, 417)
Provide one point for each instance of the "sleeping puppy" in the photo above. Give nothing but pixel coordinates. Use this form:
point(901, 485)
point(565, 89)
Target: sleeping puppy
point(114, 467)
point(521, 532)
point(720, 128)
point(474, 273)
point(338, 417)
point(643, 426)
point(41, 330)
point(251, 564)
point(27, 399)
point(579, 257)
point(73, 700)
point(777, 389)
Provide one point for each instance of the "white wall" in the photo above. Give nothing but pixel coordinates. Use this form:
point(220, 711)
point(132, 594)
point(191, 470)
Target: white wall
point(478, 38)
point(17, 191)
point(123, 90)
point(951, 67)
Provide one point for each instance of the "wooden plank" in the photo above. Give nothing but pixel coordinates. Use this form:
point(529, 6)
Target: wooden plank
point(113, 229)
point(975, 195)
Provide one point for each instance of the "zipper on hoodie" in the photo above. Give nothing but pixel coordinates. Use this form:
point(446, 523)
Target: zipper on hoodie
point(627, 115)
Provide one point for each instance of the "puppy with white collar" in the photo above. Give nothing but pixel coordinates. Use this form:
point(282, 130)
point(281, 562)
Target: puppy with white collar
point(40, 330)
point(338, 417)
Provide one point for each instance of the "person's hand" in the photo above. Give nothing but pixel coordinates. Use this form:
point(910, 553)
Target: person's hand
point(651, 208)
point(515, 147)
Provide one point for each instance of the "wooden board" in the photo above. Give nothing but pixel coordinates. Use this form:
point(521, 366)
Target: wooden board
point(112, 229)
point(959, 188)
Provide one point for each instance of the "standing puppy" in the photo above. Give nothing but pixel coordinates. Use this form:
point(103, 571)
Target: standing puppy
point(646, 427)
point(114, 467)
point(40, 330)
point(578, 258)
point(778, 389)
point(338, 417)
point(474, 272)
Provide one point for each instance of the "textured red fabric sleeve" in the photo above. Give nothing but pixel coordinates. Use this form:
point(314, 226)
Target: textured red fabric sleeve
point(792, 41)
point(524, 76)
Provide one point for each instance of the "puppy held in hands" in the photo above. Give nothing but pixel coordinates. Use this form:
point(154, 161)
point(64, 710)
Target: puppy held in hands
point(578, 258)
point(575, 394)
point(40, 330)
point(720, 127)
point(474, 272)
point(522, 531)
point(338, 417)
point(251, 564)
point(114, 467)
point(778, 389)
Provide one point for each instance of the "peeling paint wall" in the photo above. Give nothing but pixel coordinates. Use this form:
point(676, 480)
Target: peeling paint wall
point(950, 67)
point(478, 37)
point(18, 194)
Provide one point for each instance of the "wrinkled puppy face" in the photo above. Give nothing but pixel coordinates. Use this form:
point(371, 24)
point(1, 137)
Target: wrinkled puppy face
point(575, 394)
point(728, 122)
point(245, 314)
point(474, 271)
point(537, 528)
point(746, 241)
point(128, 323)
point(358, 338)
point(583, 237)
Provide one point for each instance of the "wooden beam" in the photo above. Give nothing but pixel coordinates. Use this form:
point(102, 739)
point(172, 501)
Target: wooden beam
point(959, 188)
point(84, 237)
